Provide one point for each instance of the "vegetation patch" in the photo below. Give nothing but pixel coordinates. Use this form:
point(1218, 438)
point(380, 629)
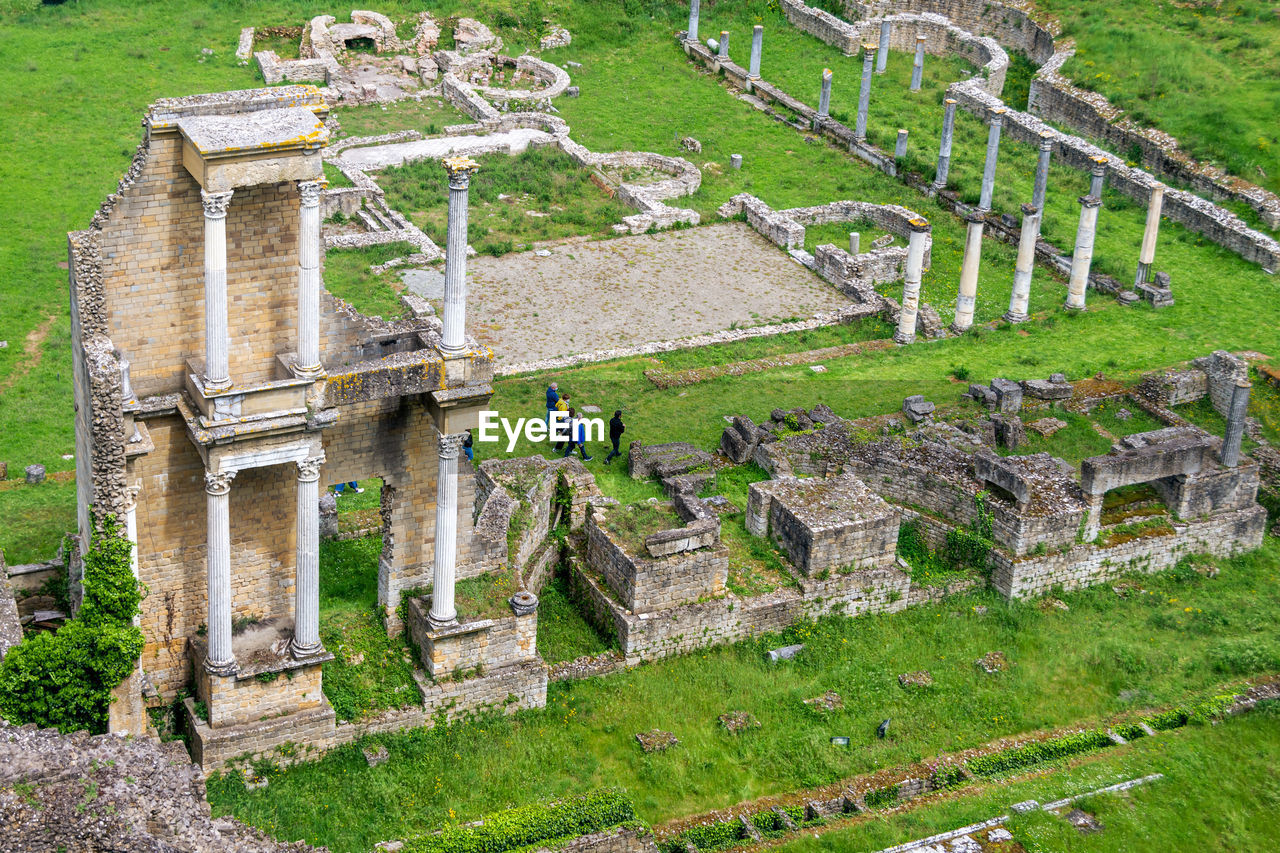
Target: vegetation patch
point(485, 596)
point(348, 276)
point(632, 525)
point(563, 632)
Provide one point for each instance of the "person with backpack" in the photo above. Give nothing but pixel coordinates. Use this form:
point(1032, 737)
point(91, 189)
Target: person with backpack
point(616, 429)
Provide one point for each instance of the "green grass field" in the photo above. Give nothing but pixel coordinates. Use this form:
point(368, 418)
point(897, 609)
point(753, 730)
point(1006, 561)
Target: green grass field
point(1106, 656)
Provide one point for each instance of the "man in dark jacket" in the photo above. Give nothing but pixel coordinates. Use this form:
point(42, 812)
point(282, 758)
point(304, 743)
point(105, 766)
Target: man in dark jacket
point(616, 429)
point(553, 397)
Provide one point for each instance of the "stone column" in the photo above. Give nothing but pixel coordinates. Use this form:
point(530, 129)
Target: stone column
point(855, 241)
point(217, 376)
point(1024, 266)
point(912, 273)
point(917, 67)
point(131, 525)
point(442, 577)
point(308, 362)
point(882, 58)
point(864, 93)
point(306, 606)
point(1147, 255)
point(1083, 255)
point(692, 35)
point(757, 46)
point(724, 45)
point(1230, 456)
point(1042, 170)
point(900, 145)
point(1097, 176)
point(453, 342)
point(944, 148)
point(824, 97)
point(996, 114)
point(221, 660)
point(969, 274)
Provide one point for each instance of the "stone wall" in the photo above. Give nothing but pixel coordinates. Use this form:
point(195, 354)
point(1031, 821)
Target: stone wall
point(487, 644)
point(1222, 535)
point(1223, 371)
point(10, 627)
point(645, 583)
point(1011, 26)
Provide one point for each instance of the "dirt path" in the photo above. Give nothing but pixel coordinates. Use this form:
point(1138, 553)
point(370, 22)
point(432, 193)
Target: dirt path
point(32, 352)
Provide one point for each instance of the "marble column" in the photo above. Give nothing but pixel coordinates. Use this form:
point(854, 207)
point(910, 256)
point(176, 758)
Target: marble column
point(723, 51)
point(443, 571)
point(917, 66)
point(1147, 255)
point(900, 145)
point(306, 606)
point(1082, 258)
point(453, 341)
point(1021, 296)
point(131, 525)
point(855, 241)
point(221, 660)
point(996, 116)
point(864, 93)
point(217, 376)
point(912, 274)
point(692, 35)
point(1239, 409)
point(1042, 170)
point(308, 363)
point(757, 46)
point(1097, 176)
point(968, 293)
point(882, 57)
point(824, 96)
point(944, 147)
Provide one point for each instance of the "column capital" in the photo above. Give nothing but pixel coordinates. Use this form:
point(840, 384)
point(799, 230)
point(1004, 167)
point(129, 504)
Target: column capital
point(131, 497)
point(997, 114)
point(218, 483)
point(1046, 140)
point(309, 468)
point(309, 192)
point(450, 444)
point(459, 170)
point(215, 204)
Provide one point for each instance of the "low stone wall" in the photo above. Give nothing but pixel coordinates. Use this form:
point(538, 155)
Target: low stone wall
point(10, 626)
point(485, 644)
point(1010, 25)
point(1083, 565)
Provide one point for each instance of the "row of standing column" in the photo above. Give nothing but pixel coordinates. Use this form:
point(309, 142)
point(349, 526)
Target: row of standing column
point(217, 374)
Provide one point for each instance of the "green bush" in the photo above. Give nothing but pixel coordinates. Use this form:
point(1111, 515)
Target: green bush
point(531, 824)
point(1019, 757)
point(768, 822)
point(64, 680)
point(881, 797)
point(713, 836)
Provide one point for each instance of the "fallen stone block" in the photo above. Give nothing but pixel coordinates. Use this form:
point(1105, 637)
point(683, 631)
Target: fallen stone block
point(35, 474)
point(1042, 389)
point(785, 653)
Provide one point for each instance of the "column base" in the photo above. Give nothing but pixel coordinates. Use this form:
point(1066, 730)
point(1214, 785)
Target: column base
point(1069, 307)
point(303, 652)
point(438, 624)
point(220, 385)
point(301, 372)
point(452, 352)
point(225, 669)
point(957, 329)
point(1143, 271)
point(1011, 317)
point(899, 338)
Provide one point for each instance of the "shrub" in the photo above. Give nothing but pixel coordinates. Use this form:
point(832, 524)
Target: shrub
point(1242, 657)
point(1018, 757)
point(531, 824)
point(881, 797)
point(712, 836)
point(64, 680)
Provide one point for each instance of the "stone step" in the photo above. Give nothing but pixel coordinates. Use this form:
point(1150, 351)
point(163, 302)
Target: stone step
point(370, 223)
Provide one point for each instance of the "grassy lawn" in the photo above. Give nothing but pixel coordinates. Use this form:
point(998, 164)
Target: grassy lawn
point(538, 195)
point(563, 633)
point(347, 275)
point(1106, 655)
point(429, 116)
point(1226, 771)
point(38, 518)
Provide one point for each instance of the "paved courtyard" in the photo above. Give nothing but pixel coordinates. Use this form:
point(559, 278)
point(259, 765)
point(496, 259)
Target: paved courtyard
point(588, 296)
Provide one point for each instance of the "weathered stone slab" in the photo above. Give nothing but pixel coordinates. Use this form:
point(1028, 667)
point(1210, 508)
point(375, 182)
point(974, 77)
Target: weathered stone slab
point(994, 470)
point(1042, 389)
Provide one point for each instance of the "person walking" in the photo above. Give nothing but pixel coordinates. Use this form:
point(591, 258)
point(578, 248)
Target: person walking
point(569, 445)
point(467, 449)
point(616, 429)
point(562, 405)
point(579, 437)
point(353, 485)
point(553, 397)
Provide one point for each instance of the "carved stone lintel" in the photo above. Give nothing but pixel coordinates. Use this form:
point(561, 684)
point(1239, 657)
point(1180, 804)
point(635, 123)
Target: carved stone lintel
point(309, 191)
point(450, 444)
point(215, 204)
point(218, 483)
point(309, 468)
